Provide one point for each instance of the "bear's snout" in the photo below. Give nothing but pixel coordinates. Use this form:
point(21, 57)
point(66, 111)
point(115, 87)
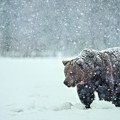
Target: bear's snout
point(67, 83)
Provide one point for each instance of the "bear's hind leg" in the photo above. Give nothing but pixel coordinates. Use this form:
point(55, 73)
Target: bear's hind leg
point(116, 100)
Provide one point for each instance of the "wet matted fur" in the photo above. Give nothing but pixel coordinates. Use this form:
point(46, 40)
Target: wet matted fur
point(93, 71)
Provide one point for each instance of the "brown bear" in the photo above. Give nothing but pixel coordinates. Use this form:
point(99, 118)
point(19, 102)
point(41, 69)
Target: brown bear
point(94, 71)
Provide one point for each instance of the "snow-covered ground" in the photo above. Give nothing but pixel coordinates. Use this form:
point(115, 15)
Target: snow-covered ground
point(32, 89)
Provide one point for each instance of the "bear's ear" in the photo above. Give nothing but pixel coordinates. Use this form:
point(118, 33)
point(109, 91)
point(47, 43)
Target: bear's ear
point(65, 62)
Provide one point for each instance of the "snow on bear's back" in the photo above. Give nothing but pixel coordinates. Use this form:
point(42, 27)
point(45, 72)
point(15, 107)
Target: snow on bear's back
point(113, 52)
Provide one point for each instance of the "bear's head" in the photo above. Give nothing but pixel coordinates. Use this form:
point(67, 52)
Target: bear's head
point(75, 73)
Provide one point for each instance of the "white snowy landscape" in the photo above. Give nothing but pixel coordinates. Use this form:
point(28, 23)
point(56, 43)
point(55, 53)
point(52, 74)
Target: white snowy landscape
point(33, 89)
point(35, 36)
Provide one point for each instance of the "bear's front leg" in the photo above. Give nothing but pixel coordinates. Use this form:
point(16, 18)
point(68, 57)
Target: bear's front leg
point(86, 99)
point(86, 94)
point(116, 100)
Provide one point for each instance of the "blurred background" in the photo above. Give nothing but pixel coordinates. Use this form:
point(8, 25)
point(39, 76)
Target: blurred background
point(49, 28)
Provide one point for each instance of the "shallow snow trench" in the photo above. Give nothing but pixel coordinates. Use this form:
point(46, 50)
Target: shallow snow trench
point(32, 89)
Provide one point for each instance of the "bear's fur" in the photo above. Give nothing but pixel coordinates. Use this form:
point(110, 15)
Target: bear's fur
point(99, 70)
